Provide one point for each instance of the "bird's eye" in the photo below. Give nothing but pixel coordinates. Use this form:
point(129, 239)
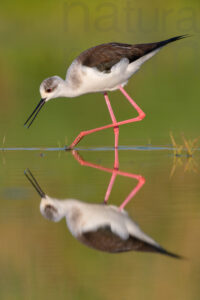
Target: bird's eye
point(49, 90)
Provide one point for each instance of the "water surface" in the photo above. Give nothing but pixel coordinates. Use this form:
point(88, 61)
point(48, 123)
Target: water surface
point(40, 258)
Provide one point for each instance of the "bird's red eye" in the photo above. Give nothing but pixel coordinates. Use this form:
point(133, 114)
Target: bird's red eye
point(48, 90)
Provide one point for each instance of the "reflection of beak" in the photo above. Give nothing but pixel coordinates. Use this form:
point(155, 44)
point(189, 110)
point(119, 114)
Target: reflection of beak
point(34, 182)
point(34, 113)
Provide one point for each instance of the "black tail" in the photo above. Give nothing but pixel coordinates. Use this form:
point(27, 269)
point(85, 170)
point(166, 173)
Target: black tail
point(143, 49)
point(165, 252)
point(176, 38)
point(137, 244)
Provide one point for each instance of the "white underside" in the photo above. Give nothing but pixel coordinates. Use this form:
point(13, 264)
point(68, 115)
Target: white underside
point(83, 217)
point(98, 215)
point(92, 80)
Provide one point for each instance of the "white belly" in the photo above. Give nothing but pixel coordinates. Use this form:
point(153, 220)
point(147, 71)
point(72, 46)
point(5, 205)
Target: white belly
point(89, 80)
point(96, 81)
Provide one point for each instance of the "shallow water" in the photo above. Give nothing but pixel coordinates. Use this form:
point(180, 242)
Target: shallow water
point(40, 259)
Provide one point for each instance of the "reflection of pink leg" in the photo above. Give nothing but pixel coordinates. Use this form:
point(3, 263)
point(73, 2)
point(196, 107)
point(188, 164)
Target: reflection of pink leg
point(141, 182)
point(110, 186)
point(116, 163)
point(115, 172)
point(140, 116)
point(116, 129)
point(114, 175)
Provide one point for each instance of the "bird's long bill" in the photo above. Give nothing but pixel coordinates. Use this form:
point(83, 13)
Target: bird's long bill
point(32, 117)
point(34, 182)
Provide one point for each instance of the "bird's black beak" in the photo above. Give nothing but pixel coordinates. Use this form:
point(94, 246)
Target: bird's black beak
point(34, 182)
point(34, 113)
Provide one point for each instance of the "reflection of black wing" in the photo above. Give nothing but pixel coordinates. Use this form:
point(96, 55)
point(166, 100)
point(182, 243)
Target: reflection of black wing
point(105, 240)
point(105, 56)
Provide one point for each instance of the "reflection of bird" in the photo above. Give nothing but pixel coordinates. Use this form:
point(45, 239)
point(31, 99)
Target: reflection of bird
point(100, 226)
point(103, 68)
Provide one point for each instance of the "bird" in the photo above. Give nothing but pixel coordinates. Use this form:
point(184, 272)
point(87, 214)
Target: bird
point(103, 68)
point(100, 226)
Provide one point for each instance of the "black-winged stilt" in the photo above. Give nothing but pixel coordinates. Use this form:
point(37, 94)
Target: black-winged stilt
point(103, 68)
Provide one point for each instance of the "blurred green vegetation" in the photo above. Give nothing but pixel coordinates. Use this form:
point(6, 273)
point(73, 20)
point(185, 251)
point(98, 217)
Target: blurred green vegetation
point(41, 39)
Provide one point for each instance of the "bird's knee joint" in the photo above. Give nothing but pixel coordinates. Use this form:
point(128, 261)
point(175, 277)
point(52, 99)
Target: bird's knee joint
point(142, 179)
point(116, 129)
point(82, 133)
point(141, 116)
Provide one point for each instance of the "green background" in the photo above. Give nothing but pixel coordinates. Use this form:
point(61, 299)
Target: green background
point(40, 259)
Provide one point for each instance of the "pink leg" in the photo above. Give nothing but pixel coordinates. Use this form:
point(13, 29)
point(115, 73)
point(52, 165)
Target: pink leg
point(113, 177)
point(116, 128)
point(116, 164)
point(140, 117)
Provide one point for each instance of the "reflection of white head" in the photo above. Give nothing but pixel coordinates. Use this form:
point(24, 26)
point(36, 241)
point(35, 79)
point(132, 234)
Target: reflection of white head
point(52, 209)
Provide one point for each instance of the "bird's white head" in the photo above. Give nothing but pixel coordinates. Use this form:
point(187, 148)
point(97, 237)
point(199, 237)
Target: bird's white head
point(51, 209)
point(51, 88)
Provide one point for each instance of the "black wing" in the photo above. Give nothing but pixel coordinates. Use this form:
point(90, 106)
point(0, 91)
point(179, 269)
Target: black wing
point(105, 56)
point(104, 239)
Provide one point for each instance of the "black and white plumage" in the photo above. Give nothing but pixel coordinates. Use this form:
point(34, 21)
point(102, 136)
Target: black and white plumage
point(105, 56)
point(101, 68)
point(99, 226)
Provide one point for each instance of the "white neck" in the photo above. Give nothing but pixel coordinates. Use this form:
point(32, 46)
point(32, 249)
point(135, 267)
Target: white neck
point(68, 90)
